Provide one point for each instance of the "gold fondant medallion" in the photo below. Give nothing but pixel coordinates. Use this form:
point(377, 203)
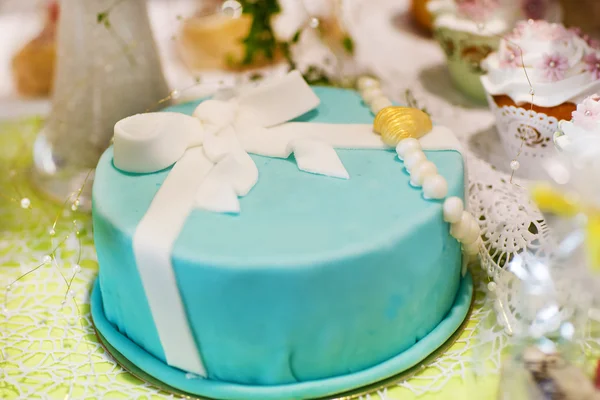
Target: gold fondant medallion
point(397, 123)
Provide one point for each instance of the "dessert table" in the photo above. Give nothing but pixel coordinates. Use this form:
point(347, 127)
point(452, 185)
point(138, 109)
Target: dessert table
point(49, 347)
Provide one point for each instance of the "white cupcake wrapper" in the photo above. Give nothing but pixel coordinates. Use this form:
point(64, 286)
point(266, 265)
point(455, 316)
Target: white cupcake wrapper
point(537, 129)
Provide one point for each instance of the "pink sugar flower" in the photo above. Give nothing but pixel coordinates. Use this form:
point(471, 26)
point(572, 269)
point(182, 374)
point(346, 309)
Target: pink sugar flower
point(511, 57)
point(554, 67)
point(592, 62)
point(587, 114)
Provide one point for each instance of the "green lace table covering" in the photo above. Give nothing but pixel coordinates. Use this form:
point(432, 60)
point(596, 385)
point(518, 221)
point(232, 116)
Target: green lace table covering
point(48, 346)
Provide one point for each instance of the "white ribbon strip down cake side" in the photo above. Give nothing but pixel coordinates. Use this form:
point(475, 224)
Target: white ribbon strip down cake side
point(209, 152)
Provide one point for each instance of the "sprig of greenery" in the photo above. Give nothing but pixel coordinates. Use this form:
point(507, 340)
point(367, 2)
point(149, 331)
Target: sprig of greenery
point(260, 43)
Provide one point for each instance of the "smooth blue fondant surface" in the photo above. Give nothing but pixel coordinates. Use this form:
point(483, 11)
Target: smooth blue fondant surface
point(302, 390)
point(316, 278)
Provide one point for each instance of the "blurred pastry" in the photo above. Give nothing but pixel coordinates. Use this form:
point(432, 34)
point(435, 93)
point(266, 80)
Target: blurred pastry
point(421, 14)
point(33, 65)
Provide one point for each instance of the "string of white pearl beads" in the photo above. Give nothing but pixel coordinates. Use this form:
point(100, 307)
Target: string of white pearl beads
point(453, 208)
point(406, 146)
point(435, 187)
point(421, 171)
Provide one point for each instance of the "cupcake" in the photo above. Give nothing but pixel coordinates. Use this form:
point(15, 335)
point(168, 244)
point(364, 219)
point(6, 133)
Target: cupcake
point(561, 66)
point(33, 65)
point(469, 30)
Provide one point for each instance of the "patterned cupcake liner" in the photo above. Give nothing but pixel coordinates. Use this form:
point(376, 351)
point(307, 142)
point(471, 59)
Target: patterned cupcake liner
point(465, 52)
point(528, 131)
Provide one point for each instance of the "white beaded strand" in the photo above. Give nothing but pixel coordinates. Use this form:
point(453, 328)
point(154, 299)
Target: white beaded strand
point(463, 226)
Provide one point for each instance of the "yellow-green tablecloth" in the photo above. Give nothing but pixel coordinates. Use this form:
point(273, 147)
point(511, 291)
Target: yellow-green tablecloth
point(50, 351)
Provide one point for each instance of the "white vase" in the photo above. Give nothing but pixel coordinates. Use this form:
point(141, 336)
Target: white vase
point(107, 68)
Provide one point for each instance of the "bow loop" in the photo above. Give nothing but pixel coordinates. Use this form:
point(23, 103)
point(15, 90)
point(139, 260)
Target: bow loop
point(146, 143)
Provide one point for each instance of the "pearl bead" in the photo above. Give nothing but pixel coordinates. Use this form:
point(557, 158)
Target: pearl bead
point(473, 233)
point(473, 248)
point(47, 259)
point(413, 158)
point(8, 288)
point(25, 202)
point(405, 146)
point(379, 104)
point(435, 187)
point(459, 230)
point(370, 94)
point(72, 293)
point(514, 165)
point(76, 268)
point(453, 208)
point(491, 286)
point(52, 232)
point(365, 82)
point(421, 171)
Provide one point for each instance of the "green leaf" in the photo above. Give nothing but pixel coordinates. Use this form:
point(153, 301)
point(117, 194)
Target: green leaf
point(101, 17)
point(348, 44)
point(296, 37)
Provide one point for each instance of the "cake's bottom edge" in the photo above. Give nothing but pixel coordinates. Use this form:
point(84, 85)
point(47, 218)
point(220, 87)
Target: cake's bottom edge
point(181, 381)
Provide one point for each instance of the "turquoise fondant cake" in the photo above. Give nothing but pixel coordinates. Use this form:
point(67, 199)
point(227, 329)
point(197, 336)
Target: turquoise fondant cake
point(316, 286)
